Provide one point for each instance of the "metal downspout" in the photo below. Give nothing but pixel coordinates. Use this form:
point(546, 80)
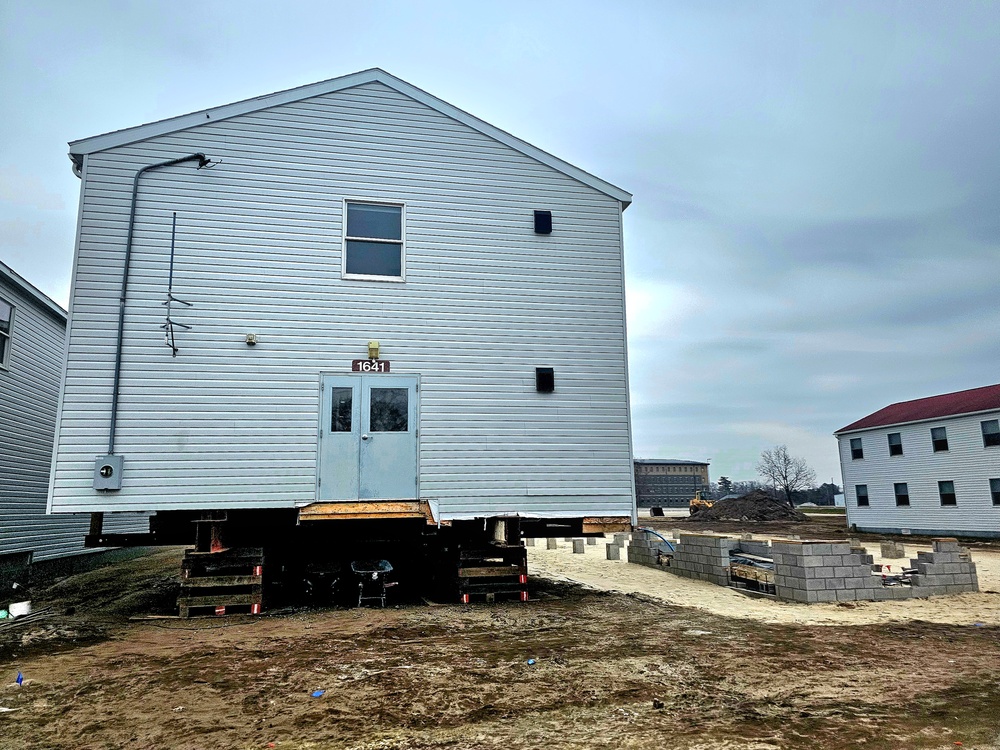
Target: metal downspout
point(202, 161)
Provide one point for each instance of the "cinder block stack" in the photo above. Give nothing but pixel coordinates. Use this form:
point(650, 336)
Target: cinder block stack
point(809, 572)
point(948, 569)
point(892, 551)
point(644, 549)
point(704, 557)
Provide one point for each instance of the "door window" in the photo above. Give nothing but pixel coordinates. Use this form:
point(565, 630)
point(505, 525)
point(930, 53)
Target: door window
point(389, 410)
point(343, 399)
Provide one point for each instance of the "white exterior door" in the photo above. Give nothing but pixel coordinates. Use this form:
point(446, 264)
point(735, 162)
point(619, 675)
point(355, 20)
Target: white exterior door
point(368, 438)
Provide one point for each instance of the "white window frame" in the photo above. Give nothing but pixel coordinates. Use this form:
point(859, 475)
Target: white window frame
point(401, 242)
point(9, 335)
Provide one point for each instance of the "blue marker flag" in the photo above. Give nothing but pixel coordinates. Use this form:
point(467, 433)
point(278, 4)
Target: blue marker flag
point(318, 693)
point(20, 678)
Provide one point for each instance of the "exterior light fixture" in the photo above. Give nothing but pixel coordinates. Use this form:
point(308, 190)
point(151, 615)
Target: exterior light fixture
point(251, 339)
point(372, 350)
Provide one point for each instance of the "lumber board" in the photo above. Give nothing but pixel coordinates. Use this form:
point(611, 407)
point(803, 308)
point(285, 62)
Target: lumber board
point(494, 571)
point(208, 581)
point(218, 600)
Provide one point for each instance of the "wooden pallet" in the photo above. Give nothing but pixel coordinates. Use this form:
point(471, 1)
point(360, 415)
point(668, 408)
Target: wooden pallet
point(500, 570)
point(220, 583)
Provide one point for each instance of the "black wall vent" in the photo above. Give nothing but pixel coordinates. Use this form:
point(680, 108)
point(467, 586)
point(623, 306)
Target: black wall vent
point(545, 379)
point(543, 222)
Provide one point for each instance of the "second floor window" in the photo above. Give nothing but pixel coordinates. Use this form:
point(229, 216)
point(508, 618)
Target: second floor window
point(856, 450)
point(895, 444)
point(939, 439)
point(991, 432)
point(373, 240)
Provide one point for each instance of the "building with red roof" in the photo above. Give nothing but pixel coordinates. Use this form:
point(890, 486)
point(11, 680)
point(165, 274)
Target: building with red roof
point(926, 466)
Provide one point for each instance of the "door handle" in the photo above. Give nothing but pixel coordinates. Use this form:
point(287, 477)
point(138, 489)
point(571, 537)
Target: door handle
point(364, 437)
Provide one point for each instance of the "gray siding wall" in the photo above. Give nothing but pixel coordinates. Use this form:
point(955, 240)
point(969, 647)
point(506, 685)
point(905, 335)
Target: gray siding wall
point(966, 462)
point(29, 393)
point(259, 249)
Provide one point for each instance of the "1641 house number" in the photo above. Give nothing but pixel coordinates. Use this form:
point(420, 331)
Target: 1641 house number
point(370, 365)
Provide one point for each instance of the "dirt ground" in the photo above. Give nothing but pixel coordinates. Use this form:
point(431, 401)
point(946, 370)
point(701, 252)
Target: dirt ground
point(639, 664)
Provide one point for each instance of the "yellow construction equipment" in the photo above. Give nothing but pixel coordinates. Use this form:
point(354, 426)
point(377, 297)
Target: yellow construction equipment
point(697, 503)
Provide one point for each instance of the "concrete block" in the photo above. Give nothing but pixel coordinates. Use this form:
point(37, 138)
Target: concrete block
point(529, 542)
point(614, 552)
point(847, 595)
point(567, 539)
point(826, 596)
point(842, 571)
point(836, 560)
point(892, 550)
point(854, 583)
point(591, 541)
point(622, 537)
point(579, 546)
point(945, 544)
point(551, 543)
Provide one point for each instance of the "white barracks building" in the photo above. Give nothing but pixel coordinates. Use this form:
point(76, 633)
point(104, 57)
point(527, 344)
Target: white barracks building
point(929, 466)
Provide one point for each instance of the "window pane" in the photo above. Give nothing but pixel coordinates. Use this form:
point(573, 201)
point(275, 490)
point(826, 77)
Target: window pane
point(991, 432)
point(902, 493)
point(995, 490)
point(856, 450)
point(343, 401)
point(861, 491)
point(895, 444)
point(374, 258)
point(378, 222)
point(939, 438)
point(389, 410)
point(3, 348)
point(947, 492)
point(5, 315)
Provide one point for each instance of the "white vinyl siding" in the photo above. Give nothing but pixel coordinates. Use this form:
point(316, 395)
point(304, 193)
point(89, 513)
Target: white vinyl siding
point(967, 464)
point(29, 393)
point(259, 249)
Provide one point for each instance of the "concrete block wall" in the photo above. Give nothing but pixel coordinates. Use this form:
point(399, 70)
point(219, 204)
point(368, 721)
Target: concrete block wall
point(809, 572)
point(947, 569)
point(646, 549)
point(703, 557)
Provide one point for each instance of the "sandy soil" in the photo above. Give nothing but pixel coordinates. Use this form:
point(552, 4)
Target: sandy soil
point(592, 569)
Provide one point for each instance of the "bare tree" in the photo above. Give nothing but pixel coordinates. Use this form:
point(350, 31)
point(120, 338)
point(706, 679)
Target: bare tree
point(786, 473)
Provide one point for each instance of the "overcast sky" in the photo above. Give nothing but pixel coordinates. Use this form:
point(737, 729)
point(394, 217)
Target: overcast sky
point(816, 226)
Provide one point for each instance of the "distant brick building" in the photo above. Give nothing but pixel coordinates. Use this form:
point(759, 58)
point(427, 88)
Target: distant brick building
point(668, 483)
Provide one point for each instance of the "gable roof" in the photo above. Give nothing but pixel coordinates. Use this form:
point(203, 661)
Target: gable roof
point(946, 405)
point(171, 125)
point(30, 290)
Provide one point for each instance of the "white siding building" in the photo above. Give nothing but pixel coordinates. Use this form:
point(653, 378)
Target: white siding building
point(928, 466)
point(309, 223)
point(32, 337)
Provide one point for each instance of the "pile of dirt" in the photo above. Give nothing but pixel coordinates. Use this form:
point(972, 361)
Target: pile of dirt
point(754, 506)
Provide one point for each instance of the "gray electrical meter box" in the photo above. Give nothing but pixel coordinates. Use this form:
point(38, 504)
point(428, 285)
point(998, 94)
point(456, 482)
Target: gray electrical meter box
point(108, 473)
